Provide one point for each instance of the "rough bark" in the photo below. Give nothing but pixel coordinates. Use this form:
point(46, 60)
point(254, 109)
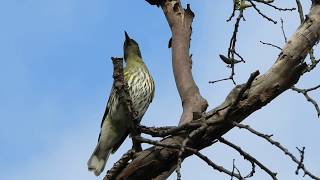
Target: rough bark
point(284, 73)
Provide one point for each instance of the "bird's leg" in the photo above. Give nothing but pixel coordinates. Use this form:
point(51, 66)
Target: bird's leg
point(135, 132)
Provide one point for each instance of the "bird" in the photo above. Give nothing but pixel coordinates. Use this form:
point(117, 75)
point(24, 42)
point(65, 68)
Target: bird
point(114, 125)
point(229, 60)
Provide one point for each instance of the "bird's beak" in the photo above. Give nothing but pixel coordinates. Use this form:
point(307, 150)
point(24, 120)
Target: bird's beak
point(127, 36)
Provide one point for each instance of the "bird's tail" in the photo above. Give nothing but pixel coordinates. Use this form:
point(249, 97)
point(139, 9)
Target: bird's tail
point(98, 160)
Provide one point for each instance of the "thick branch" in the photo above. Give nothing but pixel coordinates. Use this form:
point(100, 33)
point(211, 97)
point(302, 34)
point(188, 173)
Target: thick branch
point(284, 73)
point(180, 21)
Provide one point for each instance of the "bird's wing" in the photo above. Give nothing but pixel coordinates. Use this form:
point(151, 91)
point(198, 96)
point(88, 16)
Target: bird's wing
point(109, 103)
point(152, 89)
point(116, 146)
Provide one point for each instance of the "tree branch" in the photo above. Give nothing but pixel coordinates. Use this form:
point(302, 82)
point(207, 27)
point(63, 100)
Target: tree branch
point(180, 21)
point(122, 90)
point(281, 147)
point(249, 157)
point(284, 73)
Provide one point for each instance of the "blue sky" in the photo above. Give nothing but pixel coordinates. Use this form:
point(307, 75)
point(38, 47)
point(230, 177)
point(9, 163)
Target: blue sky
point(56, 75)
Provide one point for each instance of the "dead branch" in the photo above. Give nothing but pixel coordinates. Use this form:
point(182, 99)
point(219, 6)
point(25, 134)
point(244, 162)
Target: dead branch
point(284, 73)
point(308, 98)
point(300, 11)
point(283, 32)
point(300, 165)
point(249, 157)
point(241, 6)
point(180, 22)
point(279, 146)
point(272, 45)
point(193, 151)
point(119, 165)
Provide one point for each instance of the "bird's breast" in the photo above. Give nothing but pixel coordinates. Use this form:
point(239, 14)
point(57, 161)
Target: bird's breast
point(141, 87)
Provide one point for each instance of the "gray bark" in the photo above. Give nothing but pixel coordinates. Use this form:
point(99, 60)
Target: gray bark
point(283, 74)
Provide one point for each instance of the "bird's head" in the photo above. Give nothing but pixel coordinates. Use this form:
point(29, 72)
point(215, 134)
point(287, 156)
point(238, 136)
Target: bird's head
point(130, 47)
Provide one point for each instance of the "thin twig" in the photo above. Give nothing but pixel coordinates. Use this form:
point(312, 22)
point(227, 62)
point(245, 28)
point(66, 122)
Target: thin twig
point(249, 157)
point(234, 167)
point(269, 44)
point(306, 95)
point(301, 151)
point(259, 12)
point(283, 32)
point(268, 3)
point(278, 145)
point(300, 11)
point(233, 12)
point(184, 144)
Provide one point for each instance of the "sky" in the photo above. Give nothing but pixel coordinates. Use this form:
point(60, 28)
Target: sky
point(56, 76)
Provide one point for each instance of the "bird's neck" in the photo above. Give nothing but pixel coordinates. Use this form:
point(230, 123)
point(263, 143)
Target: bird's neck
point(134, 60)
